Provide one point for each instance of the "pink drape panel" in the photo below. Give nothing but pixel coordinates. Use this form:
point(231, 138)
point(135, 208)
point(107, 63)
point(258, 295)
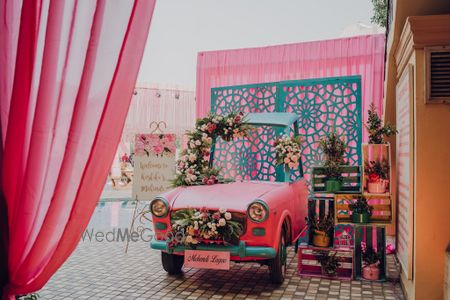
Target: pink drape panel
point(63, 106)
point(360, 55)
point(174, 106)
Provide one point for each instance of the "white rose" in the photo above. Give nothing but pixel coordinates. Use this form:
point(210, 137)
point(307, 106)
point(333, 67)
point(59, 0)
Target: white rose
point(209, 224)
point(227, 216)
point(222, 222)
point(222, 210)
point(198, 143)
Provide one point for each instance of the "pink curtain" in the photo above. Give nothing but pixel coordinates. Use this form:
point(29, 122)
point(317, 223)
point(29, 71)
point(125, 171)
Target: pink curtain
point(68, 70)
point(359, 55)
point(173, 105)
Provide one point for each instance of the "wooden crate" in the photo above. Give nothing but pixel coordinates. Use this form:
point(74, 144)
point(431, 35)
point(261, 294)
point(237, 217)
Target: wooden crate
point(382, 208)
point(319, 207)
point(308, 265)
point(351, 179)
point(373, 236)
point(376, 153)
point(344, 236)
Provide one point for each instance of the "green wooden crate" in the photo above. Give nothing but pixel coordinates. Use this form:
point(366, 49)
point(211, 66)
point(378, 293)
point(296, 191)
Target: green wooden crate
point(351, 182)
point(373, 236)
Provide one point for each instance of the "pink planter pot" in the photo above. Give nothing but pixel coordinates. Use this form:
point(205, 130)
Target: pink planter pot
point(371, 272)
point(376, 187)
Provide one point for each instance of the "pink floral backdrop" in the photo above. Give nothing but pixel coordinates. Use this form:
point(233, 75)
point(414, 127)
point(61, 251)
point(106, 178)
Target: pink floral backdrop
point(359, 55)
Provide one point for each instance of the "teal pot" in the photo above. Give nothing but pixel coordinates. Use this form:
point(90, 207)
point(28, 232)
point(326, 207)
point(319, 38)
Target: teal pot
point(332, 186)
point(360, 218)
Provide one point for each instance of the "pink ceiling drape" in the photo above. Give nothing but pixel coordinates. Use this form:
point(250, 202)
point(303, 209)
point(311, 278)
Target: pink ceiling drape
point(359, 55)
point(68, 70)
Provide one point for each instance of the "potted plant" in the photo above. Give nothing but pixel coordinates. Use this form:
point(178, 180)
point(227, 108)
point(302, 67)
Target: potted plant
point(377, 176)
point(333, 147)
point(329, 263)
point(371, 261)
point(321, 230)
point(377, 130)
point(361, 210)
point(333, 175)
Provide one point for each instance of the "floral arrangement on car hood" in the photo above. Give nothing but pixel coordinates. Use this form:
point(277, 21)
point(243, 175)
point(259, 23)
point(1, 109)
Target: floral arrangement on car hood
point(204, 226)
point(193, 167)
point(288, 151)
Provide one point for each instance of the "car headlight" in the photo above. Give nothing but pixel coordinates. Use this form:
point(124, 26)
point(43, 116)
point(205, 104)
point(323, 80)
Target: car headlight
point(159, 207)
point(258, 211)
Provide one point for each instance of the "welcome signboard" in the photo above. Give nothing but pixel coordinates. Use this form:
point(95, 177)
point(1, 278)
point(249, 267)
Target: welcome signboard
point(154, 164)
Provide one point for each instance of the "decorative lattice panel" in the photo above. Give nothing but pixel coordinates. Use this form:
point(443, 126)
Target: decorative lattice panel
point(323, 105)
point(246, 98)
point(251, 158)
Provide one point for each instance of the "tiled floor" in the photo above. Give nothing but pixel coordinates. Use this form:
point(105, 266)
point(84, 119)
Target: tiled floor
point(101, 270)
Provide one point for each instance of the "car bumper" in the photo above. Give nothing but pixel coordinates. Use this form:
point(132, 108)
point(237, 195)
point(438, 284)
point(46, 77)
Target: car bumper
point(240, 250)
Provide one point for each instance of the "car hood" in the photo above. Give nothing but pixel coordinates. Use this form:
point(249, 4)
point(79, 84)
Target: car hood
point(234, 196)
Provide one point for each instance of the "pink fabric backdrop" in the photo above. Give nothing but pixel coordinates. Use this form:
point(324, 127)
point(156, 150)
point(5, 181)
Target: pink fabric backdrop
point(67, 76)
point(173, 105)
point(360, 55)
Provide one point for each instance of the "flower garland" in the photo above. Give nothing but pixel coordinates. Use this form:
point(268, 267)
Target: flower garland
point(193, 166)
point(288, 151)
point(203, 226)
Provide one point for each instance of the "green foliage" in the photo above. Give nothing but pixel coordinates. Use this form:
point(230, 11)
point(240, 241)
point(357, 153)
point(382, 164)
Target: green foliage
point(370, 256)
point(333, 147)
point(380, 8)
point(321, 224)
point(329, 262)
point(377, 131)
point(361, 206)
point(378, 168)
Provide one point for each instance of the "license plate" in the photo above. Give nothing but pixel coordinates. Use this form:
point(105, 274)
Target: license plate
point(201, 259)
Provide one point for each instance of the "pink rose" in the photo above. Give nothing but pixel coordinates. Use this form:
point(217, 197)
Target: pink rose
point(216, 216)
point(158, 149)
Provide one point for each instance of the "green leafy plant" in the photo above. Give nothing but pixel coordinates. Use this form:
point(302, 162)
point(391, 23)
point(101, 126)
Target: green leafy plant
point(360, 206)
point(377, 170)
point(369, 255)
point(329, 262)
point(377, 130)
point(326, 223)
point(379, 12)
point(333, 147)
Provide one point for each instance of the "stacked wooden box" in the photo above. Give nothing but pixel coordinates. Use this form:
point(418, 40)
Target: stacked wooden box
point(347, 237)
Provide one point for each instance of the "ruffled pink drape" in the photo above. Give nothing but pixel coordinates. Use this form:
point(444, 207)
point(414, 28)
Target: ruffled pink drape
point(360, 55)
point(68, 70)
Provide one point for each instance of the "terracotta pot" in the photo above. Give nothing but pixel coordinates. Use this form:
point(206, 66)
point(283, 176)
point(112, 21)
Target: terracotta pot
point(378, 187)
point(320, 239)
point(360, 218)
point(371, 272)
point(332, 186)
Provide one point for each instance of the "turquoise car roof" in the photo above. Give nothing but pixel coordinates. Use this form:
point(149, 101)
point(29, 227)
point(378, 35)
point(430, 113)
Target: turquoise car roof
point(272, 118)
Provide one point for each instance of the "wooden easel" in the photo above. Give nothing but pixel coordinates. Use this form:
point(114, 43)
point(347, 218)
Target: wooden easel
point(156, 127)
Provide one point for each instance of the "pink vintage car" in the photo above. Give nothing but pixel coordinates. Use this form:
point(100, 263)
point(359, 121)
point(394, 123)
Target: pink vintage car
point(272, 213)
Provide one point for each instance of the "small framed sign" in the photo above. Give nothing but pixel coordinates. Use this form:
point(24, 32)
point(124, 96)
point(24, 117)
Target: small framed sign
point(201, 259)
point(154, 164)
